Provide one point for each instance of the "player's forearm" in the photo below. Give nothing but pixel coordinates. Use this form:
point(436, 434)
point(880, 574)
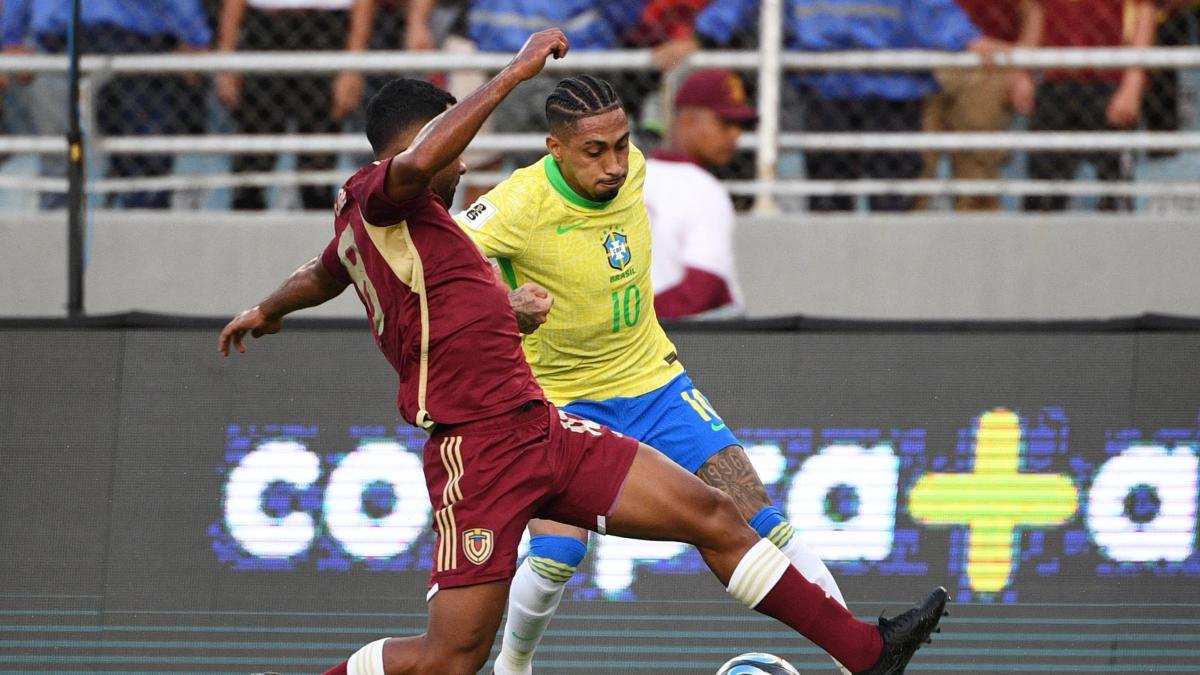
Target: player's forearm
point(445, 138)
point(308, 286)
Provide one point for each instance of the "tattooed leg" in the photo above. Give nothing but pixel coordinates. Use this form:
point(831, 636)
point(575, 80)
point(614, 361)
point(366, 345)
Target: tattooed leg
point(731, 472)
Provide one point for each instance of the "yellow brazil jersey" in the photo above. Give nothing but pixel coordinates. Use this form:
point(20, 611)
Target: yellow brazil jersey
point(602, 339)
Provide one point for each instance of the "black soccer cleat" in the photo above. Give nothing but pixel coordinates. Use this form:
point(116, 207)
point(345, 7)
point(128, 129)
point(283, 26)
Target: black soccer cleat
point(903, 635)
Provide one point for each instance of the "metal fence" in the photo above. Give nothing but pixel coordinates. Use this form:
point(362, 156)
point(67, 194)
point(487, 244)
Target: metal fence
point(166, 129)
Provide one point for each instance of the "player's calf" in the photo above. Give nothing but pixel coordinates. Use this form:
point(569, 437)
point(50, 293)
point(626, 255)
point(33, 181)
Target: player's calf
point(420, 655)
point(772, 525)
point(533, 598)
point(731, 472)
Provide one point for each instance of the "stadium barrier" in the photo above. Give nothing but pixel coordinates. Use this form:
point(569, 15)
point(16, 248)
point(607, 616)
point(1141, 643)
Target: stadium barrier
point(768, 143)
point(168, 510)
point(901, 266)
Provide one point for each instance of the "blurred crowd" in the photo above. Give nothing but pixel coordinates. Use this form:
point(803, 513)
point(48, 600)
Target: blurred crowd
point(987, 99)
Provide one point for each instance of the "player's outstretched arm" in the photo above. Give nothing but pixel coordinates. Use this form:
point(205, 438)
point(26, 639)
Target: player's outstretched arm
point(308, 286)
point(443, 140)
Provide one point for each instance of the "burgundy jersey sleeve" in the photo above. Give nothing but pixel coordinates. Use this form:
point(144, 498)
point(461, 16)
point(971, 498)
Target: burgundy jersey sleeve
point(368, 188)
point(332, 261)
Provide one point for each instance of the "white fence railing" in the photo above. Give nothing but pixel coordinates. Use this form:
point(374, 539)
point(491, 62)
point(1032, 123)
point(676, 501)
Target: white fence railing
point(357, 143)
point(624, 60)
point(769, 140)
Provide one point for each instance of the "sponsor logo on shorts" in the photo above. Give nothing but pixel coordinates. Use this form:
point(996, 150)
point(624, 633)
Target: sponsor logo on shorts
point(477, 545)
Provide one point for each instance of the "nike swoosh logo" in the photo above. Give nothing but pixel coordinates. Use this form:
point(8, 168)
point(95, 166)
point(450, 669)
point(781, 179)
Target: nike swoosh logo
point(519, 637)
point(563, 230)
point(717, 427)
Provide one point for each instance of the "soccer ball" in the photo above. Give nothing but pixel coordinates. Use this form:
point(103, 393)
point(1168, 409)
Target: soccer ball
point(756, 663)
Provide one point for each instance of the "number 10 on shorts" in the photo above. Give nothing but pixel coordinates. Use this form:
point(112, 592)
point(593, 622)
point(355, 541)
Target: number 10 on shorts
point(702, 407)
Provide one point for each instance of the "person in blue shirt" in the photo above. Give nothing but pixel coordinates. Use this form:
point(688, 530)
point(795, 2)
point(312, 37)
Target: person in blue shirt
point(142, 104)
point(503, 26)
point(852, 101)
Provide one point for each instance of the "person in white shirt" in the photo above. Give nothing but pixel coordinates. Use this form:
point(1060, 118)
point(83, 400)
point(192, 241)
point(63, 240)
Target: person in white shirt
point(691, 215)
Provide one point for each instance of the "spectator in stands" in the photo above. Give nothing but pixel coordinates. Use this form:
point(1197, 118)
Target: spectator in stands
point(854, 101)
point(442, 25)
point(982, 99)
point(429, 23)
point(265, 103)
point(504, 25)
point(664, 21)
point(1177, 28)
point(125, 106)
point(693, 272)
point(661, 22)
point(1088, 100)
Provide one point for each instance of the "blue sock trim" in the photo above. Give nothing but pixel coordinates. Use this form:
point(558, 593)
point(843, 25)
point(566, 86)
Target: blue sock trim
point(766, 520)
point(561, 549)
point(772, 525)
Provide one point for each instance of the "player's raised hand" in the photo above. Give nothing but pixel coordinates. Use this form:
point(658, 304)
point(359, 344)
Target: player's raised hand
point(251, 321)
point(539, 47)
point(531, 304)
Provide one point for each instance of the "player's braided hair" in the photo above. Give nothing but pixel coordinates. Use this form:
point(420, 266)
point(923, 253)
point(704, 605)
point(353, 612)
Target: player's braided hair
point(577, 97)
point(399, 105)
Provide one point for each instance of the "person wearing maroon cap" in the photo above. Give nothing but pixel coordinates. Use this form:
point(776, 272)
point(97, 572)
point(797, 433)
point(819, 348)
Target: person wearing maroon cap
point(693, 269)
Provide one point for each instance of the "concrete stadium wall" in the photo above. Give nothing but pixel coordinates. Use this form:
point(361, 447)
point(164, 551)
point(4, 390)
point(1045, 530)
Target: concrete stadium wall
point(922, 266)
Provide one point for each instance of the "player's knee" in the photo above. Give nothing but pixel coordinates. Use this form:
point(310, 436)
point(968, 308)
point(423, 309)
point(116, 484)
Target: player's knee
point(554, 558)
point(719, 520)
point(465, 657)
point(539, 527)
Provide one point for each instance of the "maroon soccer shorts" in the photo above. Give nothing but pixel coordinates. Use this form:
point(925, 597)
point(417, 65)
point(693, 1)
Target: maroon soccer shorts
point(486, 479)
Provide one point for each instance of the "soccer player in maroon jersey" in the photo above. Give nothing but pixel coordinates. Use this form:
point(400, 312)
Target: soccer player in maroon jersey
point(498, 453)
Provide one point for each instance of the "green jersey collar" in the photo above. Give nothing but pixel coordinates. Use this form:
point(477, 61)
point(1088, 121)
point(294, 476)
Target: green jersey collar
point(554, 175)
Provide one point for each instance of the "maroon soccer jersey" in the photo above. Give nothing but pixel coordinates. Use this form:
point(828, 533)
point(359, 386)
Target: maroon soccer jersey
point(436, 309)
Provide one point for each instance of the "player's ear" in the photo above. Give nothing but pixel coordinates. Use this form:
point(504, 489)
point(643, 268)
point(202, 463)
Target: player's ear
point(554, 148)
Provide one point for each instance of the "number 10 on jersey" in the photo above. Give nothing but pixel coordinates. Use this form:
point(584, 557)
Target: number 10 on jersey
point(627, 307)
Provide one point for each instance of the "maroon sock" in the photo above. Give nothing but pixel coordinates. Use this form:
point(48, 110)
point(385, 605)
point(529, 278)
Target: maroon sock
point(805, 607)
point(339, 669)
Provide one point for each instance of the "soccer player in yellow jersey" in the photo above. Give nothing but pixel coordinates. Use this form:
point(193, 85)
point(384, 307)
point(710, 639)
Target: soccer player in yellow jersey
point(575, 224)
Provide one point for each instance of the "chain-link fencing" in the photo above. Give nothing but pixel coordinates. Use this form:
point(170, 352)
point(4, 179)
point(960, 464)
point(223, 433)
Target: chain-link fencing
point(273, 119)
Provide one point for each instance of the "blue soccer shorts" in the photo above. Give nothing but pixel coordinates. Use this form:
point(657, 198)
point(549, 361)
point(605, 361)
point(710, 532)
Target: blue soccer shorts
point(676, 419)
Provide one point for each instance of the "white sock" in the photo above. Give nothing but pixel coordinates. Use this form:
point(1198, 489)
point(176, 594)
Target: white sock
point(532, 601)
point(809, 564)
point(368, 660)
